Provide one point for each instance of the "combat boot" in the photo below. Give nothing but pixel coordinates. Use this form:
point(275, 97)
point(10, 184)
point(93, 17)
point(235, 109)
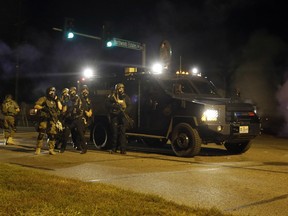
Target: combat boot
point(10, 141)
point(38, 147)
point(38, 151)
point(51, 147)
point(52, 152)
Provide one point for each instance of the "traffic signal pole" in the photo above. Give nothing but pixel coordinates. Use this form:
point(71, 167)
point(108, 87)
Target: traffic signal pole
point(80, 34)
point(117, 42)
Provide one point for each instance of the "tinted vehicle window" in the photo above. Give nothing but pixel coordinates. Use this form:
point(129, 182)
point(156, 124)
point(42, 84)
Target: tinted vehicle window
point(204, 87)
point(177, 86)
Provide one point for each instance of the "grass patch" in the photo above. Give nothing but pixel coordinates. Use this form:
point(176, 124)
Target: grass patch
point(31, 192)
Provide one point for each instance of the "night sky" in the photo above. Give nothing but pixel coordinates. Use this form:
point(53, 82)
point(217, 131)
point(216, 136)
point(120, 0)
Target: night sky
point(237, 44)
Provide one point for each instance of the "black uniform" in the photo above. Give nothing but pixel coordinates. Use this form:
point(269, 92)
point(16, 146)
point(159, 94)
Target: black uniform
point(63, 136)
point(118, 103)
point(74, 117)
point(87, 107)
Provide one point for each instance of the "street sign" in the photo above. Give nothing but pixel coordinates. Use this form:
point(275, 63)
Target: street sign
point(127, 44)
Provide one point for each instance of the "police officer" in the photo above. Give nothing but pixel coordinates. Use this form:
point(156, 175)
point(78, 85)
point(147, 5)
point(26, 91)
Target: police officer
point(63, 136)
point(10, 109)
point(87, 108)
point(74, 116)
point(48, 107)
point(118, 103)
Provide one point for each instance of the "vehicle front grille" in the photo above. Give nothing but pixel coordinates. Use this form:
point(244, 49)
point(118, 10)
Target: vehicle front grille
point(240, 112)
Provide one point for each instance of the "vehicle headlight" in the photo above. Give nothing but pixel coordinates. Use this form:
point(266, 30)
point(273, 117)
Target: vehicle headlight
point(210, 115)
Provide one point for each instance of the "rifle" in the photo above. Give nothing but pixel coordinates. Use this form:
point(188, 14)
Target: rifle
point(52, 113)
point(129, 120)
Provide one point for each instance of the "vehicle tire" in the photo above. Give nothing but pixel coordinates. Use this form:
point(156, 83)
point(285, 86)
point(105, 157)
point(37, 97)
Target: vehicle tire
point(186, 141)
point(100, 136)
point(238, 148)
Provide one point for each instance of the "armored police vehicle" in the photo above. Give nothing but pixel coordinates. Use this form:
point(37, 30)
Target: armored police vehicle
point(182, 111)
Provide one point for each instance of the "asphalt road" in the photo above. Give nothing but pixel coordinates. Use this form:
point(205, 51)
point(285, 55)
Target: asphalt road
point(254, 183)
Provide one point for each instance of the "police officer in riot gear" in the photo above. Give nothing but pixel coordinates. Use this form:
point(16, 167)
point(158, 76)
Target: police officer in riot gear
point(118, 103)
point(48, 107)
point(10, 109)
point(63, 136)
point(87, 107)
point(74, 117)
point(73, 93)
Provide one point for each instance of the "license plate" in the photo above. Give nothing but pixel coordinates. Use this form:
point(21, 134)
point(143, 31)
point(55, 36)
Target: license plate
point(244, 129)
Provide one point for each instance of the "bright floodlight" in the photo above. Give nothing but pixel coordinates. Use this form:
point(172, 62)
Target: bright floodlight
point(157, 68)
point(195, 72)
point(88, 73)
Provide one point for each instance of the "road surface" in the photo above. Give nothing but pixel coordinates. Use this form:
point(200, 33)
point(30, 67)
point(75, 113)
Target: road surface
point(254, 183)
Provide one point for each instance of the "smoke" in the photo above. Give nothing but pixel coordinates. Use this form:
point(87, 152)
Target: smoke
point(6, 64)
point(282, 98)
point(25, 55)
point(256, 76)
point(28, 53)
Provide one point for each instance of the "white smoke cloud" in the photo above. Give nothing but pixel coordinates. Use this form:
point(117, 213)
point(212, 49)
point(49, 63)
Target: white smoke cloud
point(257, 75)
point(282, 98)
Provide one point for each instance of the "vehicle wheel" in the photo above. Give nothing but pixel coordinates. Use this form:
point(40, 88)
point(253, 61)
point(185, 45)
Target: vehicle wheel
point(186, 141)
point(237, 148)
point(101, 136)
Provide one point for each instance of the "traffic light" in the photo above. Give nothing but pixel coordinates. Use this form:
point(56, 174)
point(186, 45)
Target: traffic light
point(110, 43)
point(68, 33)
point(107, 39)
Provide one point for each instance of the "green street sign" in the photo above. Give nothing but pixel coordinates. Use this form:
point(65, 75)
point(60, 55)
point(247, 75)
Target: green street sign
point(126, 44)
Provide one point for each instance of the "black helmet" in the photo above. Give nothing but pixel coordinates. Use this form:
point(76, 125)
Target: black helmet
point(51, 92)
point(73, 91)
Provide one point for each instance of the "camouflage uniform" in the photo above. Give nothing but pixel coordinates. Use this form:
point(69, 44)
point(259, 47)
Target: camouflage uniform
point(48, 107)
point(10, 109)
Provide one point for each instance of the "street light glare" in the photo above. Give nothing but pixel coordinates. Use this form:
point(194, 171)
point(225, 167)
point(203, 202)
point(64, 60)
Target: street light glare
point(195, 70)
point(88, 73)
point(157, 68)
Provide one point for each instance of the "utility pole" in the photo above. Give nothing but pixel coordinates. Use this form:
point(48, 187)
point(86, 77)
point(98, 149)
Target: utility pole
point(17, 65)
